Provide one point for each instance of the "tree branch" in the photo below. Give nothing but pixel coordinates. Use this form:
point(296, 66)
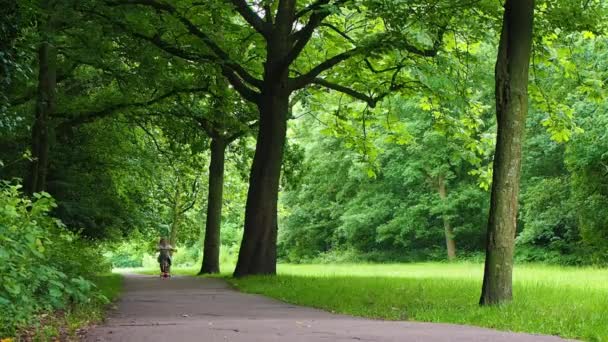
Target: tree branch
point(155, 142)
point(432, 52)
point(193, 195)
point(240, 86)
point(338, 31)
point(316, 6)
point(157, 41)
point(91, 116)
point(252, 18)
point(303, 36)
point(305, 79)
point(207, 126)
point(268, 14)
point(223, 59)
point(30, 93)
point(371, 101)
point(240, 133)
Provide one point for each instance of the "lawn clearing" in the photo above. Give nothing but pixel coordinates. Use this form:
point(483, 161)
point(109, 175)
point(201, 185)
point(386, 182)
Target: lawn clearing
point(569, 302)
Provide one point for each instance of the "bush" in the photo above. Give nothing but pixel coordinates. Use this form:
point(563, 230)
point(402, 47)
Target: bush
point(124, 259)
point(187, 256)
point(43, 265)
point(127, 254)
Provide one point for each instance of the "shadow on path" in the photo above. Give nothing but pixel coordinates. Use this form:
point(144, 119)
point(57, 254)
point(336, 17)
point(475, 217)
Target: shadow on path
point(203, 309)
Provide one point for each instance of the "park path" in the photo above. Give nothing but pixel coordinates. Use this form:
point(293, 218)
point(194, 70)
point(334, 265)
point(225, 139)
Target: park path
point(203, 309)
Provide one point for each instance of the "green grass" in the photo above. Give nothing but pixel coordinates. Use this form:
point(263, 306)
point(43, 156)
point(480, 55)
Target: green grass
point(110, 285)
point(569, 302)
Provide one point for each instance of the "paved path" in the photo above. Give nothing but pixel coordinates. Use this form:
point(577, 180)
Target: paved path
point(199, 309)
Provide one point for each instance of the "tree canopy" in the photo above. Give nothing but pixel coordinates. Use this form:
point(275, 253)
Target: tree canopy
point(309, 130)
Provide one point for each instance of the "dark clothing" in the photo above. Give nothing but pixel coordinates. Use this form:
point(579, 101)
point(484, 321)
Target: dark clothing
point(164, 255)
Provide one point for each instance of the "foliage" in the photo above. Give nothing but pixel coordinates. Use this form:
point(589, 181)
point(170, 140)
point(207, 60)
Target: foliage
point(338, 206)
point(44, 266)
point(368, 182)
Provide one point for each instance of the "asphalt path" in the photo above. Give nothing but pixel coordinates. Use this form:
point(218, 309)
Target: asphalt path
point(204, 309)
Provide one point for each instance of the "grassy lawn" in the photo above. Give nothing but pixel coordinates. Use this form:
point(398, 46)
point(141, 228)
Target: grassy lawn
point(569, 302)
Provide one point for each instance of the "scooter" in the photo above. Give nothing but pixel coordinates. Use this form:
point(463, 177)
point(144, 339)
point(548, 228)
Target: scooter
point(165, 269)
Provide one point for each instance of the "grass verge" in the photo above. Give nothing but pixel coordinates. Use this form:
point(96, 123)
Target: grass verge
point(568, 302)
point(69, 325)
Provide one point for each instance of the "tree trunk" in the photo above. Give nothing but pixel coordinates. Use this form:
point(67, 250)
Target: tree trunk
point(511, 109)
point(176, 215)
point(257, 254)
point(45, 104)
point(211, 250)
point(449, 231)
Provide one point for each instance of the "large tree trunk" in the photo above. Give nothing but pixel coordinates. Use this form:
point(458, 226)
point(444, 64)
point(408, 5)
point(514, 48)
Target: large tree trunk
point(211, 250)
point(449, 231)
point(511, 109)
point(257, 254)
point(45, 104)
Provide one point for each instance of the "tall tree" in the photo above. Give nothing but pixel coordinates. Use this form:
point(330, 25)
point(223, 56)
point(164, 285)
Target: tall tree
point(222, 134)
point(45, 101)
point(511, 79)
point(263, 65)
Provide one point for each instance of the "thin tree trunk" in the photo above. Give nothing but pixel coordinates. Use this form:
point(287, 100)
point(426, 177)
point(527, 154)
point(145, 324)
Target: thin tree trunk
point(45, 105)
point(511, 109)
point(176, 215)
point(449, 231)
point(211, 250)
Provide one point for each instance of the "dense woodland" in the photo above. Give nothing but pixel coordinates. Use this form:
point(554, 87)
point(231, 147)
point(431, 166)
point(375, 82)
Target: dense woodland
point(298, 131)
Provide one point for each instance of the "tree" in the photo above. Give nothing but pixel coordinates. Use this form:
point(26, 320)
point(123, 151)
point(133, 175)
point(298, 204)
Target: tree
point(276, 40)
point(337, 210)
point(511, 75)
point(227, 120)
point(45, 101)
point(178, 181)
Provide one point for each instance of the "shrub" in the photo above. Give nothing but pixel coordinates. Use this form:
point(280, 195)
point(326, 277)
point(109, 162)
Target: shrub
point(43, 265)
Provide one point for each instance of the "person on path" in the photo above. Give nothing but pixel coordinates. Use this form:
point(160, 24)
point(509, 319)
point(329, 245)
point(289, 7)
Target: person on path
point(165, 250)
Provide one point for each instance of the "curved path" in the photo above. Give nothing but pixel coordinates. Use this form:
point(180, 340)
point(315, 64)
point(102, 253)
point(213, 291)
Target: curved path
point(202, 309)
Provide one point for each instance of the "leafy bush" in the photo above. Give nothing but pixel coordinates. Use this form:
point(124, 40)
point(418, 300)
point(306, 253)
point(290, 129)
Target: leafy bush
point(124, 259)
point(127, 254)
point(187, 256)
point(43, 265)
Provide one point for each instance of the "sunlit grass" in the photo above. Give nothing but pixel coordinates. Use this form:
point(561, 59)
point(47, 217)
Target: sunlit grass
point(569, 302)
